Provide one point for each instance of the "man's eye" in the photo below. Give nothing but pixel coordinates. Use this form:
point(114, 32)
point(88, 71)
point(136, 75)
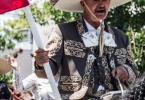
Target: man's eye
point(95, 0)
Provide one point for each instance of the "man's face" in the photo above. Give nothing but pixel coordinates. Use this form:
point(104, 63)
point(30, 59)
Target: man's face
point(98, 7)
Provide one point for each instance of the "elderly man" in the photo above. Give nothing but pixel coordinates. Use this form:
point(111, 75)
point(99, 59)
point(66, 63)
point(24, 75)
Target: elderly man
point(88, 53)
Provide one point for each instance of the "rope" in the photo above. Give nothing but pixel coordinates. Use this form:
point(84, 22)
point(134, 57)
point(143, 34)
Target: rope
point(101, 39)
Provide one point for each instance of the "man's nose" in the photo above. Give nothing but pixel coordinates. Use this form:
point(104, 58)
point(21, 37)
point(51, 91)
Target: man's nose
point(101, 3)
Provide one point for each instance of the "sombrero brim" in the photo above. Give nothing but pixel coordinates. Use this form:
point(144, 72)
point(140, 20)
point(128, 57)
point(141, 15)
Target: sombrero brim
point(74, 5)
point(4, 66)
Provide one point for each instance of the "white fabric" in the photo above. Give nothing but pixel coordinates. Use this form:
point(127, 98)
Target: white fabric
point(100, 88)
point(40, 87)
point(91, 38)
point(89, 27)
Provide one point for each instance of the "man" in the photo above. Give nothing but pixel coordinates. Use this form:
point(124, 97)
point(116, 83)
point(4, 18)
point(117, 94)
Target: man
point(89, 54)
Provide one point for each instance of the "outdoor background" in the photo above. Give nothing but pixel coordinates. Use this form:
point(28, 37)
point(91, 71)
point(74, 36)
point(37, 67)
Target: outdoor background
point(129, 18)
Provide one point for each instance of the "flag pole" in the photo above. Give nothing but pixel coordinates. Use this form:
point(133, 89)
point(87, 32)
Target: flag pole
point(40, 45)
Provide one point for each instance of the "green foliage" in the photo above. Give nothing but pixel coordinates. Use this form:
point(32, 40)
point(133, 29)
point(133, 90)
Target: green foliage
point(42, 15)
point(39, 14)
point(10, 33)
point(126, 16)
point(7, 77)
point(138, 47)
point(140, 2)
point(59, 16)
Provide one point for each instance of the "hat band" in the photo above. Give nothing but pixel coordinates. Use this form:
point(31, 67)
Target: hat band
point(53, 2)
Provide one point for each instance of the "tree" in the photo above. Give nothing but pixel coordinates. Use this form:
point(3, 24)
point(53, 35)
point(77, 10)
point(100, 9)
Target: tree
point(47, 12)
point(9, 33)
point(127, 16)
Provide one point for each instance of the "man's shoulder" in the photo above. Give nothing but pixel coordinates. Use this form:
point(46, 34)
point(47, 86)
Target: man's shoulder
point(67, 27)
point(118, 31)
point(67, 24)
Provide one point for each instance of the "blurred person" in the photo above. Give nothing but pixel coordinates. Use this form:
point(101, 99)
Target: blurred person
point(39, 87)
point(7, 90)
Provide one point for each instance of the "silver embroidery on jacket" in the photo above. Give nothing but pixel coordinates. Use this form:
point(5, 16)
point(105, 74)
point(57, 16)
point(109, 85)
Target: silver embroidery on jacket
point(73, 48)
point(88, 68)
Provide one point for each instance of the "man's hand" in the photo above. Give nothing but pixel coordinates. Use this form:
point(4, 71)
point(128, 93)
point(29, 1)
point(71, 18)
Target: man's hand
point(41, 56)
point(13, 63)
point(121, 72)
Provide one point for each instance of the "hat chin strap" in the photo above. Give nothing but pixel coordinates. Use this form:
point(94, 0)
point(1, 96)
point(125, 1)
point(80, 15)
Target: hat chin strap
point(91, 11)
point(101, 38)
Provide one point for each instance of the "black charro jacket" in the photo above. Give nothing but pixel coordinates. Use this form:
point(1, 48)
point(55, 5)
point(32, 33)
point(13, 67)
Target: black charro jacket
point(69, 55)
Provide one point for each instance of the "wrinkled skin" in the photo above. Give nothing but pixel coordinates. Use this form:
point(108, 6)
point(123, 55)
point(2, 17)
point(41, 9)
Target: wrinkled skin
point(99, 8)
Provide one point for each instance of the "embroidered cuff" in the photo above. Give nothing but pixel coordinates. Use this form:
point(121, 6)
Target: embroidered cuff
point(131, 73)
point(37, 67)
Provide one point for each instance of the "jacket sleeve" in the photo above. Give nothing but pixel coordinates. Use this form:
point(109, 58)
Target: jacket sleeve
point(55, 47)
point(26, 84)
point(130, 65)
point(17, 79)
point(29, 83)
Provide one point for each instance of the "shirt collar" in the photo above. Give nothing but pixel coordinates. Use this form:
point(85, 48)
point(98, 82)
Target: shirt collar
point(90, 27)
